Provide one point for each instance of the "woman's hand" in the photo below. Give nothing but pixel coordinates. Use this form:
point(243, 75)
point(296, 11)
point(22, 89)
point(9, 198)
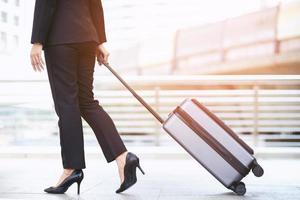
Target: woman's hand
point(102, 54)
point(36, 57)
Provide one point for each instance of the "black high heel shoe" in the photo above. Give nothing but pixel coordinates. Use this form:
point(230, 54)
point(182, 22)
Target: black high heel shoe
point(75, 176)
point(132, 161)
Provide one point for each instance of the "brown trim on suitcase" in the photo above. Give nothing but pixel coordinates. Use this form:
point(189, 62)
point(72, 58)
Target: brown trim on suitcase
point(224, 126)
point(211, 141)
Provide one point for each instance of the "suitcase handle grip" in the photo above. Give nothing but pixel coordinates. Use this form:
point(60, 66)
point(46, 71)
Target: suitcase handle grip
point(138, 97)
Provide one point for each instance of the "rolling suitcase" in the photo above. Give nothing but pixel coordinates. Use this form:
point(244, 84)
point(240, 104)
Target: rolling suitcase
point(208, 140)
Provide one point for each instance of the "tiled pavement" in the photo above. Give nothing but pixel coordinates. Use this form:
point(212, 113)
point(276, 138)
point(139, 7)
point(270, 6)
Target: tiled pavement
point(165, 179)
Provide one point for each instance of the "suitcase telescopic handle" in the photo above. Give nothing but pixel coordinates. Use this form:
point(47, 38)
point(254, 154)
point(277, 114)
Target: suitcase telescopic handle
point(138, 97)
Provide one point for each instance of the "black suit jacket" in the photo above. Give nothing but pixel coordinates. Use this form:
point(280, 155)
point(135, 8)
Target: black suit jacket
point(44, 13)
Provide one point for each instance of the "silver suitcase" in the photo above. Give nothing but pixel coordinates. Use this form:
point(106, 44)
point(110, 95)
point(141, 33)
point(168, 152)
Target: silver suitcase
point(213, 144)
point(207, 139)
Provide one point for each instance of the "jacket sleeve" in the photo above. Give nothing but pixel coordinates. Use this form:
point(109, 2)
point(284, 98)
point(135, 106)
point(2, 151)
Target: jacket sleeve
point(97, 14)
point(42, 18)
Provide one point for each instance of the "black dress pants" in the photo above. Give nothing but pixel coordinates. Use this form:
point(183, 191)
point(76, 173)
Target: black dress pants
point(70, 69)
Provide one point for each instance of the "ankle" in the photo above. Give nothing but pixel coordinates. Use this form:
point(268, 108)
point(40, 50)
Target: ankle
point(68, 171)
point(121, 158)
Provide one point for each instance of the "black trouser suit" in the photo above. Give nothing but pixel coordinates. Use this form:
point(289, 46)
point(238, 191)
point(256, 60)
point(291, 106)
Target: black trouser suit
point(70, 62)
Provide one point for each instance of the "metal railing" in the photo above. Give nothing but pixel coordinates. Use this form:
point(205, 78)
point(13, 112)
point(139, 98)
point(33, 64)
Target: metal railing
point(264, 110)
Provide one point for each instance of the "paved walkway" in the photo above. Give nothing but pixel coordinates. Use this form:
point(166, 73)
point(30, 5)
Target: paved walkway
point(165, 179)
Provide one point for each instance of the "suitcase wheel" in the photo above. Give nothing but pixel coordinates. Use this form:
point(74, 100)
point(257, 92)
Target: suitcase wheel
point(257, 170)
point(240, 189)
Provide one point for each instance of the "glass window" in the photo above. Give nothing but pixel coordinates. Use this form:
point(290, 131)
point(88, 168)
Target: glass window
point(17, 3)
point(3, 16)
point(3, 41)
point(16, 41)
point(16, 20)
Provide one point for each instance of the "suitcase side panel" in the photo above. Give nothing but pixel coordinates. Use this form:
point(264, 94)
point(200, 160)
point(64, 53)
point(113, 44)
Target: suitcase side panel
point(211, 141)
point(224, 126)
point(218, 133)
point(201, 151)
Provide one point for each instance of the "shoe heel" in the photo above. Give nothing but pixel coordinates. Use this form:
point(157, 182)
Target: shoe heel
point(138, 165)
point(78, 187)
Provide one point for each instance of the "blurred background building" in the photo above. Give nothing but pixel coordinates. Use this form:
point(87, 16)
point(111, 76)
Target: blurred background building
point(195, 37)
point(168, 50)
point(11, 25)
point(176, 37)
point(12, 28)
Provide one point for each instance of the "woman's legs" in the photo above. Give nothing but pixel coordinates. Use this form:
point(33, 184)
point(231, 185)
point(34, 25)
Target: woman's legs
point(62, 62)
point(103, 126)
point(70, 70)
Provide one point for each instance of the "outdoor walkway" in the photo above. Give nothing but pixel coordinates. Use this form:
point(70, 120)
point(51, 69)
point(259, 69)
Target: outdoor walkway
point(165, 179)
